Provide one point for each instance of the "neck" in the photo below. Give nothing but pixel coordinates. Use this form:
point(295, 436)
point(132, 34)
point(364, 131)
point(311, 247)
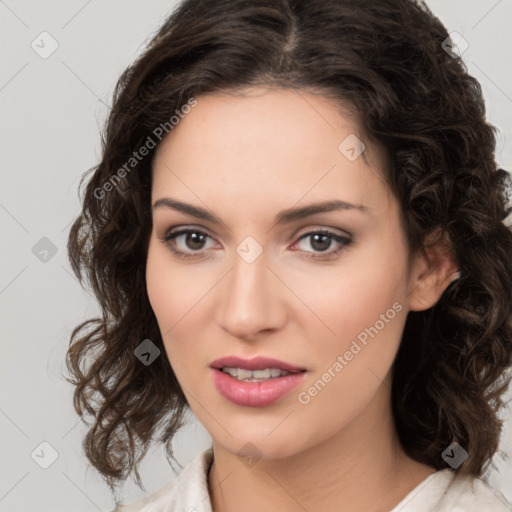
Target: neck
point(360, 468)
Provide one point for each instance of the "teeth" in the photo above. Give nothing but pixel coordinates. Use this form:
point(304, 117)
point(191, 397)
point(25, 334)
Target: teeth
point(232, 371)
point(244, 374)
point(256, 375)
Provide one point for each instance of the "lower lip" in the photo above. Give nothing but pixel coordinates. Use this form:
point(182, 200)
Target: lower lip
point(255, 394)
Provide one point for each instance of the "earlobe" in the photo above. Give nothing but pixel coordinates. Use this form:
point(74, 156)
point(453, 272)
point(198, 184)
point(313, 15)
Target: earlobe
point(432, 271)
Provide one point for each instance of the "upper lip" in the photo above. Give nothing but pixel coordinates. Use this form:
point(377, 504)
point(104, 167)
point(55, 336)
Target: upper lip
point(256, 363)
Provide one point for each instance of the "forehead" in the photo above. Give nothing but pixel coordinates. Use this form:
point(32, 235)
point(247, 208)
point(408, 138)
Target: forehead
point(261, 144)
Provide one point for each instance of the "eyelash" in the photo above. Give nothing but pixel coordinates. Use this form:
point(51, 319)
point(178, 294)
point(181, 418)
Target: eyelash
point(168, 239)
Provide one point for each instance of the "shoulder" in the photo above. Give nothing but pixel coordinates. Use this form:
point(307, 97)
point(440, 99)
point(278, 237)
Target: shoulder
point(188, 492)
point(447, 491)
point(468, 494)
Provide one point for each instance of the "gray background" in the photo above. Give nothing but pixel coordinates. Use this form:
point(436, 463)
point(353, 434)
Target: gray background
point(51, 113)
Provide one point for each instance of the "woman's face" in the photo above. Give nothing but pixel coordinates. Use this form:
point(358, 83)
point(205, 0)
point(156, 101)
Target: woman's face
point(324, 291)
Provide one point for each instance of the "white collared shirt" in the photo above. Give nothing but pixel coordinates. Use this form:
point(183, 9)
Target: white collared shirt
point(443, 491)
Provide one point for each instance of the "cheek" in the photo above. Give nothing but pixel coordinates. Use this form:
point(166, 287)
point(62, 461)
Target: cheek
point(172, 292)
point(366, 310)
point(176, 299)
point(354, 297)
point(166, 293)
point(368, 317)
point(159, 287)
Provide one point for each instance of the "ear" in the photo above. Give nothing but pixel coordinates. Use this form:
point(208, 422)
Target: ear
point(432, 272)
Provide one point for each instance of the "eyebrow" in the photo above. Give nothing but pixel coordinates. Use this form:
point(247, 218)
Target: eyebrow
point(283, 217)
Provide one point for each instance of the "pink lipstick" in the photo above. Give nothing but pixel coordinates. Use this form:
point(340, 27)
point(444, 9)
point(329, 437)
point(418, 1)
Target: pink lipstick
point(256, 382)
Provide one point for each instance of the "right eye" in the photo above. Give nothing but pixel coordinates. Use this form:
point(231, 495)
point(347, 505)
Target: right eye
point(186, 243)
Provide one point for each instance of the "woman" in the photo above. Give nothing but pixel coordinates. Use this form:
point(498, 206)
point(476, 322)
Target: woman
point(296, 231)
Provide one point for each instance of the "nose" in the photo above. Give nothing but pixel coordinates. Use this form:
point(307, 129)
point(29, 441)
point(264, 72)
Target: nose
point(251, 300)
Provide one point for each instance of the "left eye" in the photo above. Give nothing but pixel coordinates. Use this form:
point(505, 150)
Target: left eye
point(321, 241)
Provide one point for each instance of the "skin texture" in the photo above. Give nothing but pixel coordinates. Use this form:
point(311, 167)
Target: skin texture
point(246, 157)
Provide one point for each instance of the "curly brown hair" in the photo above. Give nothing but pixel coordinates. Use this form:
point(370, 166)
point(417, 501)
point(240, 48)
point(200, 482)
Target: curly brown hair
point(385, 58)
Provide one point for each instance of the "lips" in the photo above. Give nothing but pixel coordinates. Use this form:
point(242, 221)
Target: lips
point(255, 393)
point(257, 363)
